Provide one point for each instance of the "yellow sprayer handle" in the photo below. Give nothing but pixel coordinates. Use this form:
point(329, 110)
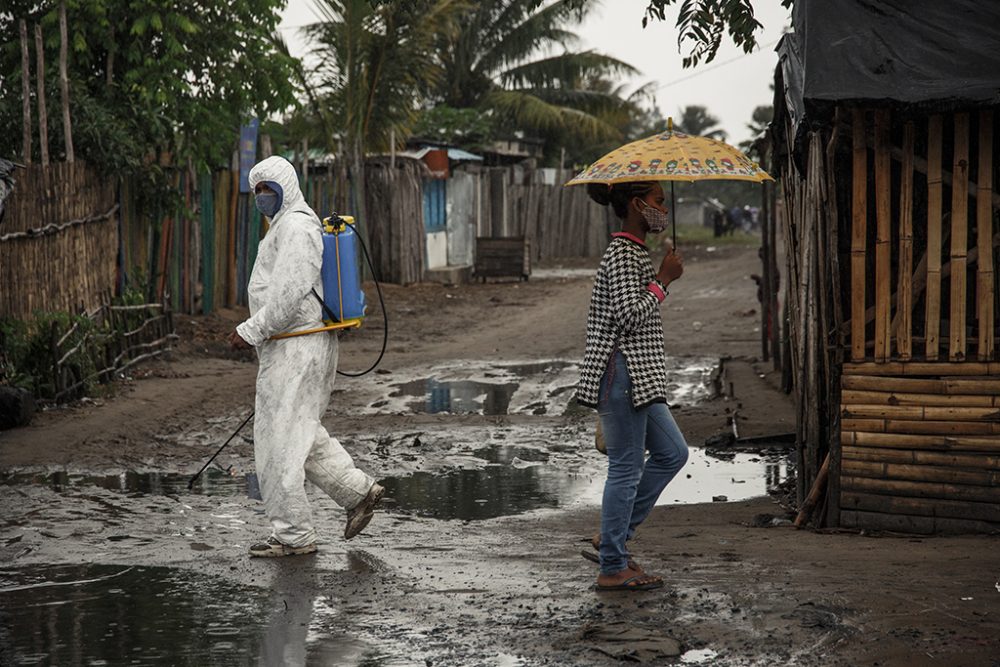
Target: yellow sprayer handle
point(349, 324)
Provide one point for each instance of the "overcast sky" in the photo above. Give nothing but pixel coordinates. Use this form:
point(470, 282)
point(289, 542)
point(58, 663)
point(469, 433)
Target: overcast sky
point(730, 87)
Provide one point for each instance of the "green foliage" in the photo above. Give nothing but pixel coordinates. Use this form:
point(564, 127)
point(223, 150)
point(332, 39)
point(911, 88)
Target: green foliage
point(697, 121)
point(702, 23)
point(27, 359)
point(376, 62)
point(149, 77)
point(515, 59)
point(759, 120)
point(469, 128)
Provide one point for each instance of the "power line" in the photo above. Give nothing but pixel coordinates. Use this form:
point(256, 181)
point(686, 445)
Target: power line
point(716, 66)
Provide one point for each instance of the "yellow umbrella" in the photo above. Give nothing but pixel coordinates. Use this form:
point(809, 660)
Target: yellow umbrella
point(672, 156)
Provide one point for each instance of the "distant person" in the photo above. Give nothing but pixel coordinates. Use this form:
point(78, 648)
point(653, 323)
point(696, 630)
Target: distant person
point(718, 223)
point(734, 218)
point(295, 375)
point(624, 377)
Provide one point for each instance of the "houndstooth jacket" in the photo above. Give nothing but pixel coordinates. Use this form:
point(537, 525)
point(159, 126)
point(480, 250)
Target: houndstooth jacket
point(625, 313)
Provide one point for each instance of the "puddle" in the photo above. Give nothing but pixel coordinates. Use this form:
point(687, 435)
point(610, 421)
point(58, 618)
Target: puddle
point(211, 482)
point(108, 614)
point(515, 481)
point(536, 388)
point(460, 396)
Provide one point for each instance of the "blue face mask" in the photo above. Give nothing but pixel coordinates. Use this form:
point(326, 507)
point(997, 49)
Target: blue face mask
point(267, 203)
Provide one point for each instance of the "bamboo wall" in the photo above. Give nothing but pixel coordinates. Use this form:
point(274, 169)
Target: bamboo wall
point(58, 240)
point(891, 235)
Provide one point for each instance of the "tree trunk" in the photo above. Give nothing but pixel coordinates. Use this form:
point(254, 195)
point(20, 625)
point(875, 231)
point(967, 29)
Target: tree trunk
point(43, 118)
point(64, 82)
point(25, 93)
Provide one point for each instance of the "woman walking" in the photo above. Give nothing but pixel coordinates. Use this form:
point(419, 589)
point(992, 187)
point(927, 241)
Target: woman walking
point(624, 377)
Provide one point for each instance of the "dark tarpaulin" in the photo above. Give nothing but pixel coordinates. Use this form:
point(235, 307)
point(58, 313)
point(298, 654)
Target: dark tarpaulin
point(931, 52)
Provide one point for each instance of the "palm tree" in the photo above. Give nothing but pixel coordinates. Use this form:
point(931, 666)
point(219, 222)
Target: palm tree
point(513, 58)
point(376, 63)
point(695, 120)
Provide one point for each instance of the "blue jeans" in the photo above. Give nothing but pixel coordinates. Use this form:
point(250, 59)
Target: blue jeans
point(634, 482)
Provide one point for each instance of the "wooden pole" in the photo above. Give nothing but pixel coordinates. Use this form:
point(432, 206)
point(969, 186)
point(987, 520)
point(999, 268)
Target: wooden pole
point(25, 94)
point(64, 82)
point(945, 474)
point(43, 117)
point(924, 368)
point(977, 461)
point(920, 411)
point(932, 330)
point(961, 443)
point(922, 488)
point(985, 286)
point(904, 291)
point(859, 230)
point(920, 427)
point(982, 387)
point(814, 493)
point(883, 244)
point(959, 237)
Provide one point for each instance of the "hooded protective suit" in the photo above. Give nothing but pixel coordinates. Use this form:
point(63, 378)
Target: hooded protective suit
point(296, 375)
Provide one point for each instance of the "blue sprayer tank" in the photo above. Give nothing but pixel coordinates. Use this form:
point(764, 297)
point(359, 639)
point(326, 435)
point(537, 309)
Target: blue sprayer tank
point(341, 273)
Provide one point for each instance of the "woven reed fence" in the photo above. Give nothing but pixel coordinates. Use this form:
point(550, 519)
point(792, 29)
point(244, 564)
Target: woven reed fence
point(891, 235)
point(58, 240)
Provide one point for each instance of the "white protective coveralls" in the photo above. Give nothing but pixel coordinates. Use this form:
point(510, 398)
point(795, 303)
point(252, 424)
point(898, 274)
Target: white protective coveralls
point(296, 375)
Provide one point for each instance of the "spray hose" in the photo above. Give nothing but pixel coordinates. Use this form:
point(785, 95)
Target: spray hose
point(332, 327)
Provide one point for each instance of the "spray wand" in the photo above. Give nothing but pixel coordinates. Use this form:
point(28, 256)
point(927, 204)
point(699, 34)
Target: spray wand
point(385, 341)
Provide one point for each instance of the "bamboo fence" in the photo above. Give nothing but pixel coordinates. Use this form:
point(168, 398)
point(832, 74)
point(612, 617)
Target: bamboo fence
point(897, 379)
point(58, 240)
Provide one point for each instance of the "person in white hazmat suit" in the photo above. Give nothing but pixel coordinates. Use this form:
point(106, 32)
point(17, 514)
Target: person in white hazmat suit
point(296, 375)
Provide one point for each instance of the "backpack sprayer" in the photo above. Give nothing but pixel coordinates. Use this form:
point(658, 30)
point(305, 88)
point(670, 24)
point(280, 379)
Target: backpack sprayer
point(343, 300)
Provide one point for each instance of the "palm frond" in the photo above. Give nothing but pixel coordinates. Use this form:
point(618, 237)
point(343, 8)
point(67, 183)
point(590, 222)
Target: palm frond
point(525, 110)
point(565, 70)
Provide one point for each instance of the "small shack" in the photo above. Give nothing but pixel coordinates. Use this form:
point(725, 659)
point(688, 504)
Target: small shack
point(885, 142)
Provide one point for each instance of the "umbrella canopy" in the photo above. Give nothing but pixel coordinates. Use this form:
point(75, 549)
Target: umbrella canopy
point(672, 156)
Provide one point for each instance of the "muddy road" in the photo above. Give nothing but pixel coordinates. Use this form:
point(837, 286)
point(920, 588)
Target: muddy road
point(493, 487)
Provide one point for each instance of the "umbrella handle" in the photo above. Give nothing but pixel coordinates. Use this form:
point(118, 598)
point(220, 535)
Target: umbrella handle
point(673, 213)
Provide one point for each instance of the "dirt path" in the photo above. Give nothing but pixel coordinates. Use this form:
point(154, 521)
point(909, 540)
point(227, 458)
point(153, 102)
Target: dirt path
point(476, 560)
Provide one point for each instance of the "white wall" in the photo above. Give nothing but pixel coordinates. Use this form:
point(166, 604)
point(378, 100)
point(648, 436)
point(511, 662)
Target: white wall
point(462, 213)
point(437, 250)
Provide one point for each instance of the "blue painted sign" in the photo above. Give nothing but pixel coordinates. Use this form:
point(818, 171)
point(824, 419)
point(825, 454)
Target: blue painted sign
point(248, 152)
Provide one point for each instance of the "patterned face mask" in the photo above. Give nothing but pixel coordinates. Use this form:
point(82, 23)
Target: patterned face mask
point(656, 220)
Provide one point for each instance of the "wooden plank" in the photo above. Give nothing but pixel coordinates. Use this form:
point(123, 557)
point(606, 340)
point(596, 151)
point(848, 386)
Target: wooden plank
point(959, 237)
point(922, 488)
point(934, 507)
point(985, 286)
point(904, 289)
point(984, 387)
point(921, 457)
point(932, 322)
point(921, 525)
point(883, 242)
point(932, 413)
point(914, 368)
point(919, 426)
point(859, 230)
point(854, 397)
point(944, 443)
point(928, 473)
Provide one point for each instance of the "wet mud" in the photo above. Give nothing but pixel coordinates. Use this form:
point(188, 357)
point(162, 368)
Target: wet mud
point(493, 489)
